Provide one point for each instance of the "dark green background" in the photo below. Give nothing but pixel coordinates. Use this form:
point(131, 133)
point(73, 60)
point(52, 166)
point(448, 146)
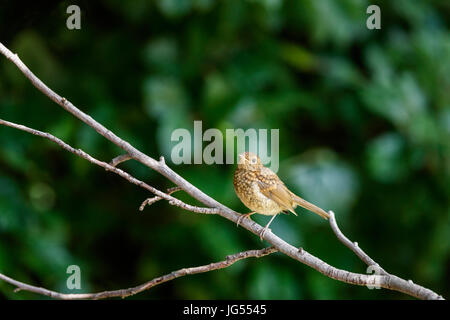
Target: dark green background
point(364, 119)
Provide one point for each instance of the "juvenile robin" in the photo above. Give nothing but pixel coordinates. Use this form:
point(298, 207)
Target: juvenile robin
point(260, 189)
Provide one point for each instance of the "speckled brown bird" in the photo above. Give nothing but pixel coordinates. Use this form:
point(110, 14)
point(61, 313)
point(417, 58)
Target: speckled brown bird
point(260, 189)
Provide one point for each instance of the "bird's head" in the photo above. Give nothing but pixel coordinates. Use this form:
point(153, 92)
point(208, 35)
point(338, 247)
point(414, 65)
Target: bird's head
point(249, 161)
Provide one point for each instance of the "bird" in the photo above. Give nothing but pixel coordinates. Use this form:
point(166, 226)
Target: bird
point(262, 191)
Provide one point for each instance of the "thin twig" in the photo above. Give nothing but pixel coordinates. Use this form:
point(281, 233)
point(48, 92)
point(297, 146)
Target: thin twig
point(150, 201)
point(119, 159)
point(353, 245)
point(231, 259)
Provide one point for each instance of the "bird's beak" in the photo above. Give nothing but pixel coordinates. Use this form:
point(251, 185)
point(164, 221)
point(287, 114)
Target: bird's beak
point(241, 159)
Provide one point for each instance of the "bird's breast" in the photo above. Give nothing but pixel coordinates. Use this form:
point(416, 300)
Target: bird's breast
point(247, 189)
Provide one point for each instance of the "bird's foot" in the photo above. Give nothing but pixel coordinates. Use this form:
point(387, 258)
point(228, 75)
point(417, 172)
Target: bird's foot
point(263, 232)
point(242, 217)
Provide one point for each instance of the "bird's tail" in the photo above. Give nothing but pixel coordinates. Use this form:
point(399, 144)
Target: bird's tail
point(309, 206)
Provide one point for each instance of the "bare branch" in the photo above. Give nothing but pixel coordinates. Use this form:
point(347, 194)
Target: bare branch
point(151, 201)
point(119, 159)
point(385, 281)
point(353, 245)
point(123, 293)
point(158, 166)
point(123, 174)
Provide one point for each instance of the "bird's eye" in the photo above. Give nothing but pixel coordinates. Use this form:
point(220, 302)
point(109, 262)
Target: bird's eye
point(253, 161)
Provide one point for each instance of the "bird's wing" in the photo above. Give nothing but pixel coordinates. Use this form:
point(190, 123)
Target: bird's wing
point(273, 188)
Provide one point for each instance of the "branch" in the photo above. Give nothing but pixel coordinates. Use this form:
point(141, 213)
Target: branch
point(123, 293)
point(151, 201)
point(119, 159)
point(108, 167)
point(385, 281)
point(353, 245)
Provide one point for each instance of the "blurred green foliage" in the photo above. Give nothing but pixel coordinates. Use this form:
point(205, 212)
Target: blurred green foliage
point(364, 119)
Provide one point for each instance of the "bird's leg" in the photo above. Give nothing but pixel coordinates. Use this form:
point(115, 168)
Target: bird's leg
point(266, 227)
point(243, 216)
